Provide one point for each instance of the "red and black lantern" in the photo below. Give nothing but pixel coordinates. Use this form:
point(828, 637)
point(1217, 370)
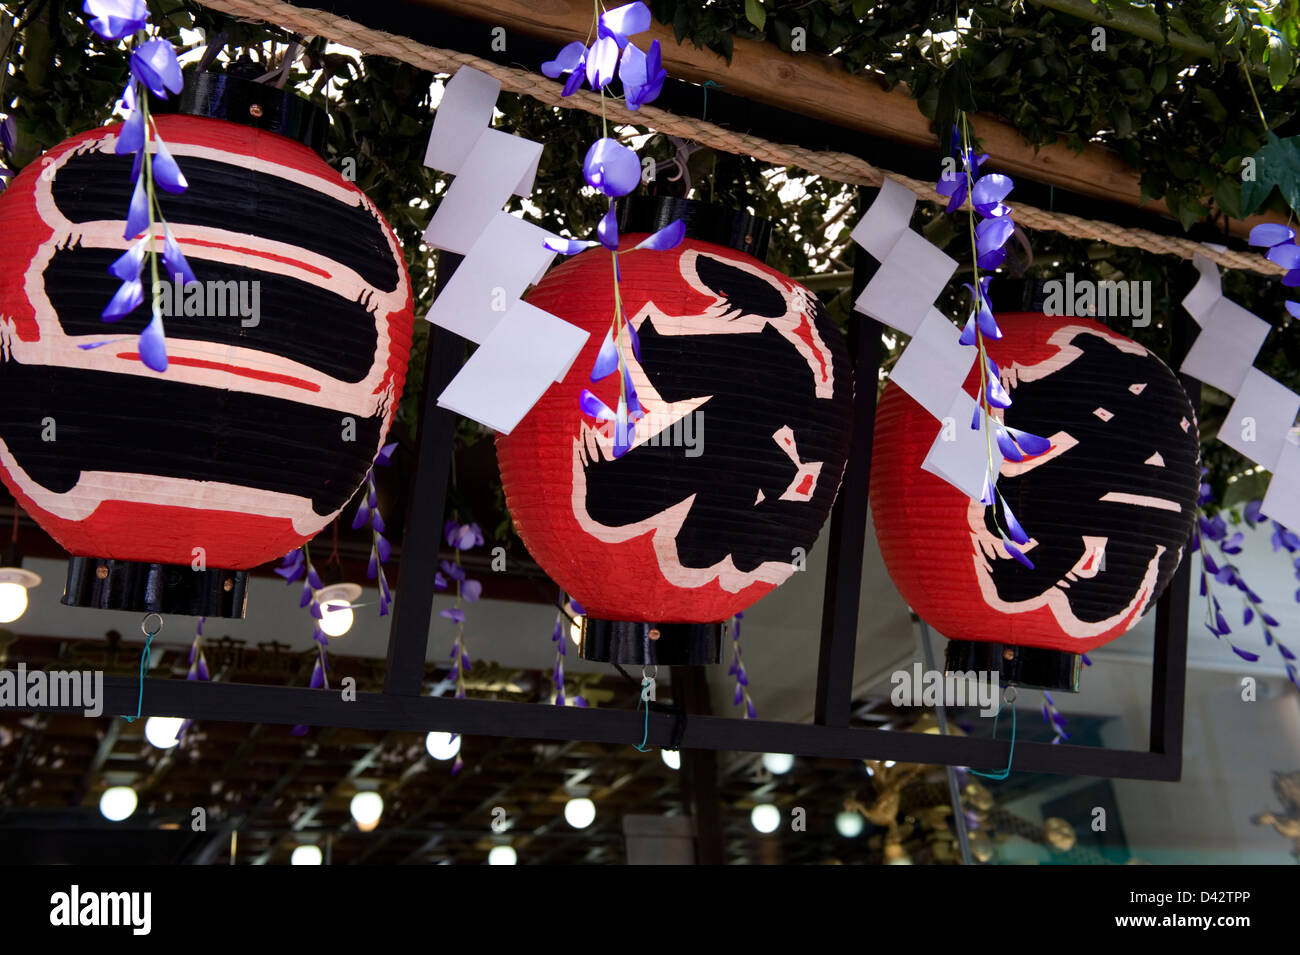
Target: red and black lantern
point(747, 390)
point(164, 486)
point(1108, 508)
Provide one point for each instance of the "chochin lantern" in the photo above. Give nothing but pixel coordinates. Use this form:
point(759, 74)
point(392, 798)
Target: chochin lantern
point(164, 487)
point(747, 389)
point(1108, 508)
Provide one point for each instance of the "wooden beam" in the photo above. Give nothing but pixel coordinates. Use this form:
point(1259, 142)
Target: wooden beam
point(820, 87)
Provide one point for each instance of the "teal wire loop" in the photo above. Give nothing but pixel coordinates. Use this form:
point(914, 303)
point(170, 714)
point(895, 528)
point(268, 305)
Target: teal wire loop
point(645, 698)
point(1004, 773)
point(145, 657)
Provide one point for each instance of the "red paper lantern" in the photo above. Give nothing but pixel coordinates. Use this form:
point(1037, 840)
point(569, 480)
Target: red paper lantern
point(736, 358)
point(263, 426)
point(1108, 509)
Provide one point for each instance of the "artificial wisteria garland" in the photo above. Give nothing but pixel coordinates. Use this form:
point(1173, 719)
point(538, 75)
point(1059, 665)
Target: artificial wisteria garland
point(8, 139)
point(198, 670)
point(297, 565)
point(154, 69)
point(614, 170)
point(737, 669)
point(380, 547)
point(989, 236)
point(1213, 531)
point(459, 537)
point(1282, 250)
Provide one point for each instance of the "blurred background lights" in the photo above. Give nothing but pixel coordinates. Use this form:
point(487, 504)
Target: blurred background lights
point(117, 803)
point(765, 817)
point(306, 855)
point(442, 745)
point(161, 730)
point(580, 812)
point(778, 764)
point(502, 855)
point(366, 808)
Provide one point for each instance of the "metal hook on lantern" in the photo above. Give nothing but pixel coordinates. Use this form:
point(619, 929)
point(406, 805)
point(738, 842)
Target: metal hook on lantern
point(145, 659)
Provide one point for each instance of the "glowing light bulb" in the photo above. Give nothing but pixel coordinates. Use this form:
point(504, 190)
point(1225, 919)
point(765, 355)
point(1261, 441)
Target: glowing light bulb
point(672, 758)
point(117, 803)
point(502, 855)
point(13, 601)
point(765, 817)
point(580, 812)
point(778, 764)
point(849, 824)
point(336, 602)
point(366, 809)
point(161, 730)
point(306, 855)
point(441, 745)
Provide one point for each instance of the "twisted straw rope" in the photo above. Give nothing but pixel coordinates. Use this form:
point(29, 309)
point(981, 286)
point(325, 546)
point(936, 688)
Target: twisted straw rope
point(837, 166)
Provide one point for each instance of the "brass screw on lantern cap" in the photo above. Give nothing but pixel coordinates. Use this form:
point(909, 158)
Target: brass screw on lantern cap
point(101, 572)
point(654, 633)
point(255, 111)
point(1008, 654)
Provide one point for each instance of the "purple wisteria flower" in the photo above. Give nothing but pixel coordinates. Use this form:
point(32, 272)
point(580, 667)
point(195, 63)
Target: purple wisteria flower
point(294, 566)
point(459, 537)
point(115, 19)
point(613, 55)
point(737, 669)
point(1283, 251)
point(154, 67)
point(1212, 531)
point(368, 513)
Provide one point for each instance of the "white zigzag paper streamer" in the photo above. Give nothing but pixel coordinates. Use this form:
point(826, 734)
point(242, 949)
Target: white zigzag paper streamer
point(934, 365)
point(522, 349)
point(1263, 413)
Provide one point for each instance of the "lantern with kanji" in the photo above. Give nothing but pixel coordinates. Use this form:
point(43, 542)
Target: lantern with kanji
point(1108, 507)
point(746, 388)
point(286, 361)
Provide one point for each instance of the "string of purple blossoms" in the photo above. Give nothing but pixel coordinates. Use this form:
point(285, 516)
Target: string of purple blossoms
point(198, 670)
point(154, 69)
point(737, 669)
point(557, 637)
point(380, 547)
point(459, 537)
point(296, 565)
point(1214, 531)
point(989, 236)
point(614, 170)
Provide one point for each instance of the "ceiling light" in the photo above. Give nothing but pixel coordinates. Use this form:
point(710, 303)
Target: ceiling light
point(366, 808)
point(778, 764)
point(580, 812)
point(117, 803)
point(765, 817)
point(14, 584)
point(336, 602)
point(849, 824)
point(306, 855)
point(161, 730)
point(672, 758)
point(502, 855)
point(441, 745)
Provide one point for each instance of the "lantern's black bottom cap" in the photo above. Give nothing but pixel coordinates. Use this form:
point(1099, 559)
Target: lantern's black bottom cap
point(158, 588)
point(669, 644)
point(1034, 667)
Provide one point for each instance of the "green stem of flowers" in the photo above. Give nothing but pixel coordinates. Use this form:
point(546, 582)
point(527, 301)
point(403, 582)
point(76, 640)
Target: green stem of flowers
point(1245, 71)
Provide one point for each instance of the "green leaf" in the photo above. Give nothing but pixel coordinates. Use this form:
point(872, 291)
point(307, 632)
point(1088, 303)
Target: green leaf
point(755, 13)
point(1228, 196)
point(1277, 164)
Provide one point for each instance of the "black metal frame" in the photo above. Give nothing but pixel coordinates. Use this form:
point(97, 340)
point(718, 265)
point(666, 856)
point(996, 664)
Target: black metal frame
point(402, 707)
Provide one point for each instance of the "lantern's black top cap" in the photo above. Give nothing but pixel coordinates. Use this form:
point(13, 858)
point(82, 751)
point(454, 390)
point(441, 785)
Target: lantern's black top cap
point(260, 105)
point(708, 223)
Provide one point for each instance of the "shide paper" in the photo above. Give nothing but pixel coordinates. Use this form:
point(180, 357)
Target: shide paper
point(522, 348)
point(1260, 422)
point(934, 365)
